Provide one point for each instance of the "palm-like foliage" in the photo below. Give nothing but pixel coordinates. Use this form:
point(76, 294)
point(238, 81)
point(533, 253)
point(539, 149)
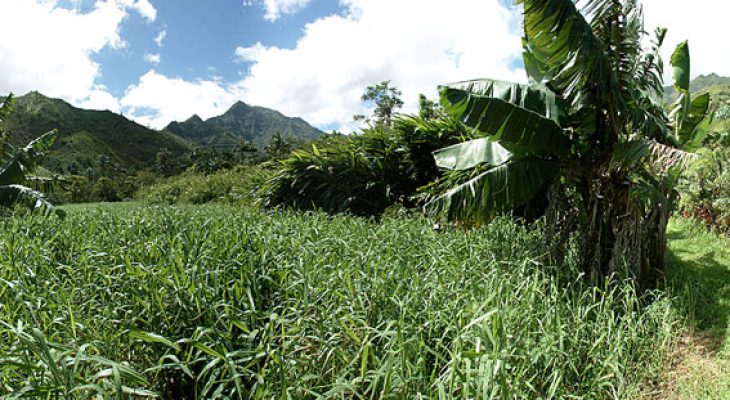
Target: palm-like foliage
point(16, 165)
point(590, 115)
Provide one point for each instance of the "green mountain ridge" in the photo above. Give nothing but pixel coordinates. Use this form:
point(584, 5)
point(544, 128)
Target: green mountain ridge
point(243, 122)
point(86, 136)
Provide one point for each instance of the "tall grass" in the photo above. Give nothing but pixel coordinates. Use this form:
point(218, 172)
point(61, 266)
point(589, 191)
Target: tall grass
point(217, 302)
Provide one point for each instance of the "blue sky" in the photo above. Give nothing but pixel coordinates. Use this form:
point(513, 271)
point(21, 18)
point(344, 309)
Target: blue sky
point(156, 61)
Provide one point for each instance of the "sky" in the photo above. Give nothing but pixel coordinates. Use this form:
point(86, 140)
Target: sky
point(157, 61)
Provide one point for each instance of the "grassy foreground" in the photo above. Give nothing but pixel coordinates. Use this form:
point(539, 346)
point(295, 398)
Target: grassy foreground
point(219, 302)
point(698, 264)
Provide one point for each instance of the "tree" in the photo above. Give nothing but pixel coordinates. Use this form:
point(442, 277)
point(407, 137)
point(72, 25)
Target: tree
point(278, 148)
point(589, 129)
point(17, 165)
point(385, 99)
point(427, 109)
point(165, 163)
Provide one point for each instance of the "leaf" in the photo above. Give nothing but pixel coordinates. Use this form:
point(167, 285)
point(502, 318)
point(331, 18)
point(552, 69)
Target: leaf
point(697, 112)
point(24, 160)
point(504, 187)
point(150, 337)
point(469, 154)
point(681, 67)
point(522, 118)
point(10, 195)
point(561, 39)
point(630, 153)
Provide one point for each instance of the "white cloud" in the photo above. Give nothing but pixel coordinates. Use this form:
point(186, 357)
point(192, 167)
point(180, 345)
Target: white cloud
point(704, 24)
point(323, 77)
point(156, 99)
point(161, 37)
point(145, 9)
point(51, 48)
point(276, 8)
point(100, 99)
point(153, 59)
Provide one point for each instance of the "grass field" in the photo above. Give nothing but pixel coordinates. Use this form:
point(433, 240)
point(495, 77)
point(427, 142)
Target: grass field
point(222, 302)
point(699, 280)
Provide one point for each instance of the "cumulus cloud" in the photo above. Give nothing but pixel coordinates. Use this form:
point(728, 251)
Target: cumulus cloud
point(145, 9)
point(160, 37)
point(153, 58)
point(156, 100)
point(51, 48)
point(276, 8)
point(323, 77)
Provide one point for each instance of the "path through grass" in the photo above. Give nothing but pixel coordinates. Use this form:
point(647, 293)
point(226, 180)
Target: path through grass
point(698, 265)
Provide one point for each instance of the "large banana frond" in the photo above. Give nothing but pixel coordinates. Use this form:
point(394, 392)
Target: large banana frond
point(560, 39)
point(660, 158)
point(698, 110)
point(467, 155)
point(681, 67)
point(11, 195)
point(522, 118)
point(24, 160)
point(501, 188)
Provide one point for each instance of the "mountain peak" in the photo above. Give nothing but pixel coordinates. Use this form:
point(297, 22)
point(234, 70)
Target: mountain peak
point(194, 119)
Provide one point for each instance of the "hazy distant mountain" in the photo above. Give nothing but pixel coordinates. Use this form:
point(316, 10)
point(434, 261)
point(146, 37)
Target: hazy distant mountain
point(243, 122)
point(85, 135)
point(700, 83)
point(200, 133)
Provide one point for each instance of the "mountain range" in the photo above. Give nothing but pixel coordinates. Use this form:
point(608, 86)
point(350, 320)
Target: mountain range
point(256, 125)
point(85, 136)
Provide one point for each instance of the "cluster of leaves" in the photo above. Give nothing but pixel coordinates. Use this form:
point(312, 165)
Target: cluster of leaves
point(706, 188)
point(17, 165)
point(366, 173)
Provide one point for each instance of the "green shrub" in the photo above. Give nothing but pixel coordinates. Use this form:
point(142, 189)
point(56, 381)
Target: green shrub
point(236, 185)
point(364, 174)
point(706, 189)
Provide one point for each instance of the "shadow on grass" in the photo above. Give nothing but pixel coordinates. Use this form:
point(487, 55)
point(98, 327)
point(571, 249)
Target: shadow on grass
point(698, 277)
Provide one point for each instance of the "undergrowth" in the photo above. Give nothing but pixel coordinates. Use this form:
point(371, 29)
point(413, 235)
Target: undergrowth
point(222, 302)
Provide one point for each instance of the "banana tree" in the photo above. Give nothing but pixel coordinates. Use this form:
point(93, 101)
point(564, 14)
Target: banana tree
point(589, 128)
point(17, 165)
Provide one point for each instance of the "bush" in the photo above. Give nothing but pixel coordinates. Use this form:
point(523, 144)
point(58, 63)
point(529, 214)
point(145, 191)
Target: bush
point(365, 174)
point(232, 186)
point(706, 189)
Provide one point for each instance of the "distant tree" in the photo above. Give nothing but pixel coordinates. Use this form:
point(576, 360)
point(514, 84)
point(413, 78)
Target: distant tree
point(427, 109)
point(278, 147)
point(105, 190)
point(386, 99)
point(165, 163)
point(246, 153)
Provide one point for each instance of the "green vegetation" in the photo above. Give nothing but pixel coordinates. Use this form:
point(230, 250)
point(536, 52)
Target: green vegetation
point(217, 301)
point(365, 174)
point(706, 189)
point(588, 128)
point(237, 185)
point(256, 125)
point(698, 267)
point(85, 135)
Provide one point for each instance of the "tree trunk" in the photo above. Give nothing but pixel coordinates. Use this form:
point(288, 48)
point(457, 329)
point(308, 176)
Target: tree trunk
point(620, 234)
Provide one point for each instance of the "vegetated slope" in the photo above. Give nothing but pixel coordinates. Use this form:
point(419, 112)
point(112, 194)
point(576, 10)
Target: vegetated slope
point(85, 135)
point(197, 131)
point(243, 122)
point(697, 84)
point(253, 305)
